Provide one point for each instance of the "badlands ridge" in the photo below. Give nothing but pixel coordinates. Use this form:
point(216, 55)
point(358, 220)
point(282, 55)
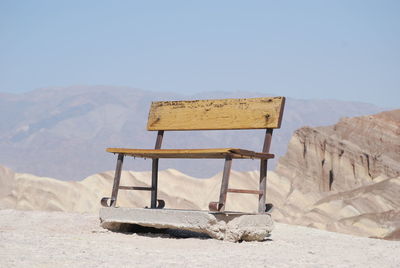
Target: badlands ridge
point(343, 178)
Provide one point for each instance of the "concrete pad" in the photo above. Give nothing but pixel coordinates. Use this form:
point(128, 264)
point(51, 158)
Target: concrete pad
point(230, 226)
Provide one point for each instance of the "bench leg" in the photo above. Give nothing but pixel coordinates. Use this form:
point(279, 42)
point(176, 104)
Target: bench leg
point(220, 206)
point(263, 186)
point(262, 207)
point(154, 183)
point(117, 178)
point(154, 202)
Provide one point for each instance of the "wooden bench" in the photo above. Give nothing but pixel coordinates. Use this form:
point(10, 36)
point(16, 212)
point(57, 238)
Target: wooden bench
point(222, 114)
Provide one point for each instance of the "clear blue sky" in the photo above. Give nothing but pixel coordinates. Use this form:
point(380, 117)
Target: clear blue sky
point(346, 50)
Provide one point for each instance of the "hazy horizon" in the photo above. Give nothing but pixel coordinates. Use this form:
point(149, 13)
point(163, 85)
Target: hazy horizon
point(206, 93)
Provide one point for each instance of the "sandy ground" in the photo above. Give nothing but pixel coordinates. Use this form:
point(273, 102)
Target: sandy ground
point(59, 239)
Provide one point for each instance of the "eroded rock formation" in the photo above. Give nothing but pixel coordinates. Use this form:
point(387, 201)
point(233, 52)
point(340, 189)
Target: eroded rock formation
point(347, 175)
point(355, 152)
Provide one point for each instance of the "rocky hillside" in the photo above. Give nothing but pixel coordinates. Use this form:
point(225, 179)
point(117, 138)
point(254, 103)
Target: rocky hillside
point(347, 174)
point(370, 211)
point(28, 192)
point(352, 153)
point(63, 132)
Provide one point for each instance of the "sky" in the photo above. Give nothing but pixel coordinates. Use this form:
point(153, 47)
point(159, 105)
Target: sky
point(345, 50)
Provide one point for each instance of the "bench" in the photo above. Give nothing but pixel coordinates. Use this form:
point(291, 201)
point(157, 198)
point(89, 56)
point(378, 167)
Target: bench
point(222, 114)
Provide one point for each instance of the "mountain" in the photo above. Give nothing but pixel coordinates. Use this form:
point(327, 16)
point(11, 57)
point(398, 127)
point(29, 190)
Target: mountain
point(62, 132)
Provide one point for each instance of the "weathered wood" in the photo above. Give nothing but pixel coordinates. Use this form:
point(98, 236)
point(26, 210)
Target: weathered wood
point(191, 153)
point(139, 188)
point(243, 191)
point(253, 113)
point(251, 154)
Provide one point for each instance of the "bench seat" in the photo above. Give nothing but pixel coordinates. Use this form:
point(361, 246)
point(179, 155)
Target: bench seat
point(191, 153)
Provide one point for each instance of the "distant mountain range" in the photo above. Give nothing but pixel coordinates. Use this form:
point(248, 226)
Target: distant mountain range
point(62, 132)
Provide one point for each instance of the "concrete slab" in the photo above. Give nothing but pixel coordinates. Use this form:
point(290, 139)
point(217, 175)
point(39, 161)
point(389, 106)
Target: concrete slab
point(230, 226)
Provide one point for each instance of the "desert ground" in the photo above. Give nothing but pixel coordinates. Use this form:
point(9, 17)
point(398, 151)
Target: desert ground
point(64, 239)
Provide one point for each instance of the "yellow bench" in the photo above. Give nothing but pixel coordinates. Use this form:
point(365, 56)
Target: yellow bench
point(222, 114)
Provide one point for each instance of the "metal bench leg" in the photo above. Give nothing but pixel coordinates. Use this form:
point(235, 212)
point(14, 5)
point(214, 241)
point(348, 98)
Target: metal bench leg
point(155, 203)
point(263, 186)
point(117, 177)
point(262, 207)
point(220, 205)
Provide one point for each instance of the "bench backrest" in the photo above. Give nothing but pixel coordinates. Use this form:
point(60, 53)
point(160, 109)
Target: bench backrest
point(252, 113)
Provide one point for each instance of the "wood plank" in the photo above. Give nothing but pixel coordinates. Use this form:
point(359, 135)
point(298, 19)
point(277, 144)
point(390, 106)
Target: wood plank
point(243, 191)
point(253, 113)
point(190, 153)
point(138, 188)
point(252, 154)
